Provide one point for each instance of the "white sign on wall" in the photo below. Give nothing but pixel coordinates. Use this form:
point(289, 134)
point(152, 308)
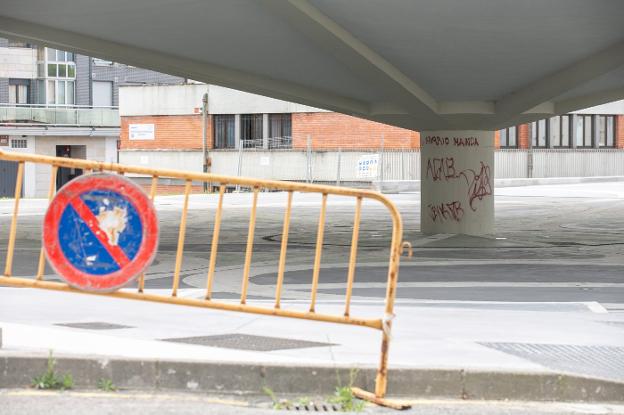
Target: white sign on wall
point(368, 166)
point(141, 131)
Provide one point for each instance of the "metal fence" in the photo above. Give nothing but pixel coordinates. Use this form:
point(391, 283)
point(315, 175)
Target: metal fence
point(340, 166)
point(346, 316)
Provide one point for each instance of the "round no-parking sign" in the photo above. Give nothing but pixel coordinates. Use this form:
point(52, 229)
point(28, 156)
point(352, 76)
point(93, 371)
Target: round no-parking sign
point(100, 232)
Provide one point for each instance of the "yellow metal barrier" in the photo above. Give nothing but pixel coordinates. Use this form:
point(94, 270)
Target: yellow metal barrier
point(384, 324)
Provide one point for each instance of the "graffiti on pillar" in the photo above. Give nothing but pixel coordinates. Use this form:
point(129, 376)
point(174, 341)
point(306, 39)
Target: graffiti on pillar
point(446, 211)
point(479, 185)
point(441, 168)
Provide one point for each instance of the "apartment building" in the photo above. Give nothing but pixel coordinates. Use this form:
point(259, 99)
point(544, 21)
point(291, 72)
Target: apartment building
point(58, 103)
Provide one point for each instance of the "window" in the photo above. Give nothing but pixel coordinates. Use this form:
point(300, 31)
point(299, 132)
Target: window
point(565, 131)
point(224, 131)
point(280, 130)
point(19, 91)
point(508, 137)
point(606, 130)
point(251, 130)
point(584, 136)
point(539, 134)
point(20, 143)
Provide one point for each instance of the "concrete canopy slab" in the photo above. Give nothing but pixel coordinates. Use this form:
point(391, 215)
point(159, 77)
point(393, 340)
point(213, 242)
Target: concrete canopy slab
point(427, 65)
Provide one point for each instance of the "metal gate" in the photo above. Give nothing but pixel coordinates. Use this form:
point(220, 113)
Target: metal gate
point(382, 323)
point(8, 176)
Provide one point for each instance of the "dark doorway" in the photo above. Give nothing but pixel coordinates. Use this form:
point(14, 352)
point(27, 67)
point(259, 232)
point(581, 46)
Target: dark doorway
point(66, 174)
point(8, 176)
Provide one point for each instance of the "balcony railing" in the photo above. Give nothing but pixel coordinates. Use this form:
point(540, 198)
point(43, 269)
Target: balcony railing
point(62, 115)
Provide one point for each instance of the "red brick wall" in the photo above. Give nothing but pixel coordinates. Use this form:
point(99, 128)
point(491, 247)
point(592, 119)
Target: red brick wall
point(496, 139)
point(170, 132)
point(523, 136)
point(619, 128)
point(332, 130)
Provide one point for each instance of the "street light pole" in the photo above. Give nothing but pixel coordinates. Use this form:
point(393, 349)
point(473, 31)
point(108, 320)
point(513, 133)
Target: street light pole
point(205, 137)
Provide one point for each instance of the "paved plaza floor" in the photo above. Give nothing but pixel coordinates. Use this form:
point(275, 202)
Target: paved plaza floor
point(544, 293)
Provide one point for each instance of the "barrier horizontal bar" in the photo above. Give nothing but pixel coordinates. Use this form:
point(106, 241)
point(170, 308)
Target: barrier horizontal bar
point(206, 177)
point(193, 302)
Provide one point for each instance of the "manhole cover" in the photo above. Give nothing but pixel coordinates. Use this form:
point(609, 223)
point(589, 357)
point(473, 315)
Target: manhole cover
point(95, 325)
point(248, 342)
point(597, 361)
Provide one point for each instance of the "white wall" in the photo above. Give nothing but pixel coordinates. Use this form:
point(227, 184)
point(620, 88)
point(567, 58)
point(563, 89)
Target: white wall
point(160, 99)
point(29, 168)
point(612, 108)
point(187, 99)
point(18, 63)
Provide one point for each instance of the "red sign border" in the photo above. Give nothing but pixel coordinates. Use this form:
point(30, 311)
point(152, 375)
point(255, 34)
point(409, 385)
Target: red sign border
point(149, 243)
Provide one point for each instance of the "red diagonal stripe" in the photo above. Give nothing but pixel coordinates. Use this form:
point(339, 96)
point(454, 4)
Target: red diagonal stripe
point(91, 221)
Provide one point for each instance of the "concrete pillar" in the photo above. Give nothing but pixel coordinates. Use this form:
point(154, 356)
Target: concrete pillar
point(457, 182)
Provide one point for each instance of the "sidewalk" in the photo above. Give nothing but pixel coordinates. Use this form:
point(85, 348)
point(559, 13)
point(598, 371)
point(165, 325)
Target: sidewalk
point(505, 338)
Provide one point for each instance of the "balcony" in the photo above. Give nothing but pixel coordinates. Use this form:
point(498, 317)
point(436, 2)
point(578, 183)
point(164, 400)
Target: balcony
point(59, 115)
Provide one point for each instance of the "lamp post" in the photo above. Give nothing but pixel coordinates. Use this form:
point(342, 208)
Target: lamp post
point(205, 138)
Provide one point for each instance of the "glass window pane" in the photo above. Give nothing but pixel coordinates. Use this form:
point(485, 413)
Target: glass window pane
point(555, 134)
point(602, 130)
point(12, 94)
point(511, 136)
point(41, 89)
point(60, 89)
point(70, 56)
point(565, 131)
point(71, 71)
point(62, 70)
point(70, 92)
point(51, 54)
point(51, 92)
point(503, 137)
point(541, 131)
point(60, 55)
point(534, 134)
point(579, 130)
point(588, 131)
point(610, 131)
point(52, 70)
point(224, 131)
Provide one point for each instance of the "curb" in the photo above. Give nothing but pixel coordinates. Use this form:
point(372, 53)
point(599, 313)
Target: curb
point(400, 186)
point(209, 377)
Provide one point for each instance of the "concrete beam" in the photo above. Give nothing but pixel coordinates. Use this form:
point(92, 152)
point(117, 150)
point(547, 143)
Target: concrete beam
point(559, 82)
point(187, 68)
point(362, 60)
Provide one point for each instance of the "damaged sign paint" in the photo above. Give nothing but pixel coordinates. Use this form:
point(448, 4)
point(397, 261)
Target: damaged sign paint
point(100, 232)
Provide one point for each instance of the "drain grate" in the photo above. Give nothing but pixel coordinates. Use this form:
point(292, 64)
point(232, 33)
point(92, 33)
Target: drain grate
point(248, 342)
point(312, 407)
point(598, 361)
point(94, 325)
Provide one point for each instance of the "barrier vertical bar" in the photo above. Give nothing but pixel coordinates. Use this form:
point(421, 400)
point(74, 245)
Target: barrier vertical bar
point(249, 250)
point(353, 256)
point(181, 236)
point(319, 251)
point(152, 195)
point(51, 190)
point(381, 380)
point(18, 193)
point(282, 259)
point(215, 243)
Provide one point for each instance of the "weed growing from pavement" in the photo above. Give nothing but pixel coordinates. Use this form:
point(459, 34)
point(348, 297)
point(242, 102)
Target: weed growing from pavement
point(106, 385)
point(343, 397)
point(51, 380)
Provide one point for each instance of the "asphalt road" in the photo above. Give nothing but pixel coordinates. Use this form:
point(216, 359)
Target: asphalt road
point(552, 243)
point(28, 402)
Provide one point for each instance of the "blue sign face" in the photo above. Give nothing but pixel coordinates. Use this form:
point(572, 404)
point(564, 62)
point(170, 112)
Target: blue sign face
point(100, 232)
